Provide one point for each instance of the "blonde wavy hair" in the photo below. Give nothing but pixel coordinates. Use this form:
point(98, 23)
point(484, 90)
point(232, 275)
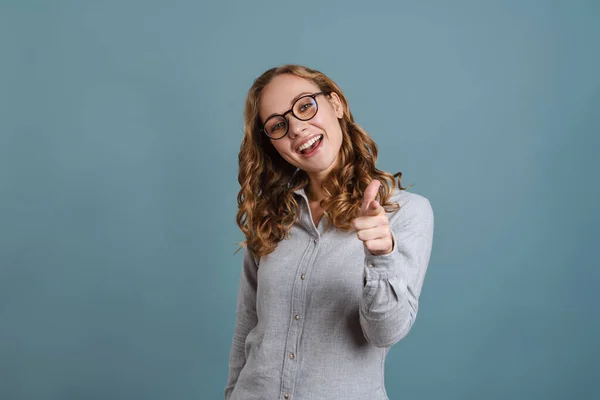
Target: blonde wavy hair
point(267, 207)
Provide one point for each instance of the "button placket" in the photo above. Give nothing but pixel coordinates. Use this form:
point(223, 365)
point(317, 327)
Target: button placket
point(290, 364)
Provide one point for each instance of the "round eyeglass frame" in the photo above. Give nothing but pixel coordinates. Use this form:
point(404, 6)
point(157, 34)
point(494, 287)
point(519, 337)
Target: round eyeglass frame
point(291, 110)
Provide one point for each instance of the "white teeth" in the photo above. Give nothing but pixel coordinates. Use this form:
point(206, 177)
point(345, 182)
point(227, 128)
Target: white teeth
point(309, 143)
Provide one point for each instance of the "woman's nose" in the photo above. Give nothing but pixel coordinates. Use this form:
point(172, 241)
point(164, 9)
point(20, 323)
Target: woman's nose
point(296, 126)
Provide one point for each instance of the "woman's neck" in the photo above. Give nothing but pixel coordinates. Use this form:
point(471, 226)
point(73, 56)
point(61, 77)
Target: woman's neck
point(315, 191)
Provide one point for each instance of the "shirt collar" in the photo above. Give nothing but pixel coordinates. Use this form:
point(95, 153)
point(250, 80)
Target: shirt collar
point(300, 192)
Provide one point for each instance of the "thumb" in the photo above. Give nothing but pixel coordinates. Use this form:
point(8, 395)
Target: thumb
point(369, 196)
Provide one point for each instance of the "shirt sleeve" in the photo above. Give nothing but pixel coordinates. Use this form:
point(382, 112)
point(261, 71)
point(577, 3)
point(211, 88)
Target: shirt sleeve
point(393, 282)
point(246, 320)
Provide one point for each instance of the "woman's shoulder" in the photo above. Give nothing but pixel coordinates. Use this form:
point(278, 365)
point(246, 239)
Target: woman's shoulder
point(413, 207)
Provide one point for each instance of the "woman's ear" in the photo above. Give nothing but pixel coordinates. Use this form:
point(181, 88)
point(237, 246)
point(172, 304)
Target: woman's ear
point(337, 105)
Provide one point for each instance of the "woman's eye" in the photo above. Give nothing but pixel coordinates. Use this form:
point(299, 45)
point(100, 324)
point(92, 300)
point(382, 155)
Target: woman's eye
point(305, 107)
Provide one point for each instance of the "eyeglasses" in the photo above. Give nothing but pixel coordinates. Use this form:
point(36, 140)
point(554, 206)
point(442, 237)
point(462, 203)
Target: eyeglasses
point(304, 109)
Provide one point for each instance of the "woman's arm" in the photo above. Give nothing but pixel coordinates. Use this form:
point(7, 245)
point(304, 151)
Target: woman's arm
point(246, 320)
point(393, 281)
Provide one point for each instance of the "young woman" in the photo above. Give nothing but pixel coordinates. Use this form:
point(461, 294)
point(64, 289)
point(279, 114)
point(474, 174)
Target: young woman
point(335, 252)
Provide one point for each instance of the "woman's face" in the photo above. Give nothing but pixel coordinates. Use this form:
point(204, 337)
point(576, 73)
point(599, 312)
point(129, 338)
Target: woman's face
point(322, 132)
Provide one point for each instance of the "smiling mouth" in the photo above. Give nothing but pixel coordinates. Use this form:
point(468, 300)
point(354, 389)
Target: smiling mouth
point(311, 144)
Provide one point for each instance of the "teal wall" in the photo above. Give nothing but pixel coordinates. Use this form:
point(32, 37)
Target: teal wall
point(120, 123)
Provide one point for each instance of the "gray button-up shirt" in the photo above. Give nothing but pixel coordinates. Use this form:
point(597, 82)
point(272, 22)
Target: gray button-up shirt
point(308, 327)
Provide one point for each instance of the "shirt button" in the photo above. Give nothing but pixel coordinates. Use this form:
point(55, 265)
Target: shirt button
point(286, 396)
point(302, 276)
point(297, 317)
point(292, 356)
point(371, 265)
point(315, 241)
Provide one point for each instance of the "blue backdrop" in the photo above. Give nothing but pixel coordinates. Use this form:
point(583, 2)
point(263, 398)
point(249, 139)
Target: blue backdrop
point(120, 123)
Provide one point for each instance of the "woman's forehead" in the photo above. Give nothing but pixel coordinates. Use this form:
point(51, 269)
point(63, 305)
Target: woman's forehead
point(277, 96)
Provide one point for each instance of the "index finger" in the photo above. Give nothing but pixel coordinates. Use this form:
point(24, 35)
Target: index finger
point(370, 194)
